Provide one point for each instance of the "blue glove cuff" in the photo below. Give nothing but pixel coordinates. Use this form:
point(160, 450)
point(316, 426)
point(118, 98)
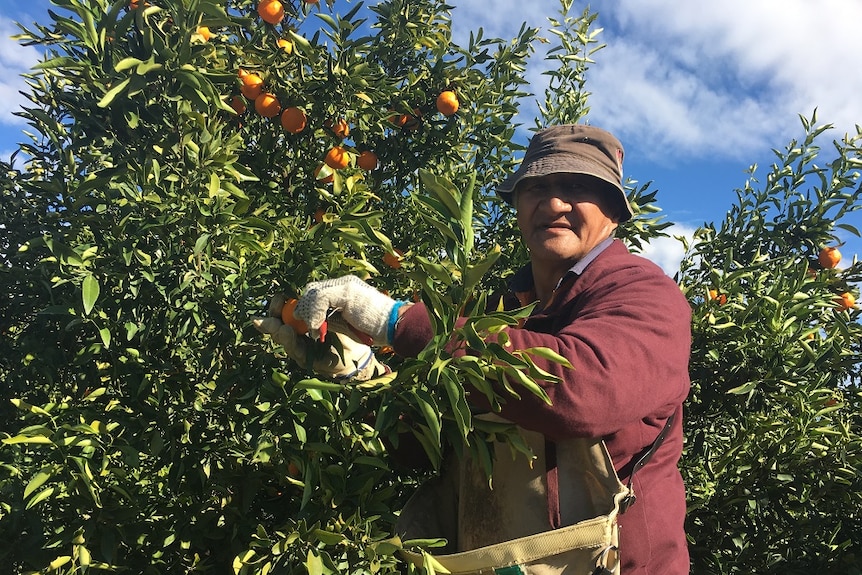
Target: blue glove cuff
point(393, 321)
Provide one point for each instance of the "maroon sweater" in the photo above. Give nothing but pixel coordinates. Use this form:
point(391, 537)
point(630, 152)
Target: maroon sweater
point(626, 328)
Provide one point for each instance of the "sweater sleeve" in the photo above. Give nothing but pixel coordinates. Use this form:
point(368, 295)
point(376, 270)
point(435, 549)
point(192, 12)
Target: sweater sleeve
point(413, 332)
point(626, 331)
point(628, 337)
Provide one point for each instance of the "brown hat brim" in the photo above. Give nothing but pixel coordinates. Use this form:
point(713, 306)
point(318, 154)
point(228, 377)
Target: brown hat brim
point(573, 149)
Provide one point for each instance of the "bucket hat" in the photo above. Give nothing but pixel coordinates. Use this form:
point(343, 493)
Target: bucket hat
point(573, 149)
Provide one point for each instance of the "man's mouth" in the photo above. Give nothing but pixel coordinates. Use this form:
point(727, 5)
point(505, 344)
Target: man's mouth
point(557, 226)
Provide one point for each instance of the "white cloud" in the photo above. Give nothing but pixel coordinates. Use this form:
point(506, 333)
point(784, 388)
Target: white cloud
point(14, 61)
point(724, 80)
point(668, 252)
point(727, 79)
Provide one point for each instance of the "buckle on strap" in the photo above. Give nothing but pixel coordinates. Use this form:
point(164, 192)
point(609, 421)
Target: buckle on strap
point(510, 570)
point(602, 562)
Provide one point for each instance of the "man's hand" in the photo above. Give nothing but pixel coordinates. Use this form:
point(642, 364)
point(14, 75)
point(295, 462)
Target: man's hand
point(361, 306)
point(353, 361)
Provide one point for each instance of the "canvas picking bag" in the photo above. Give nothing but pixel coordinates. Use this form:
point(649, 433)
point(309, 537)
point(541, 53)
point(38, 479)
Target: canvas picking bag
point(556, 515)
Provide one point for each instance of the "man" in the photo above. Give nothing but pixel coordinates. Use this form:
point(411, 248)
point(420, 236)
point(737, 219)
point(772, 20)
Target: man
point(620, 321)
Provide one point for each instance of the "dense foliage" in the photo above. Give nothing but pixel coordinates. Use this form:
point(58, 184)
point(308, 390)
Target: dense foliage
point(774, 447)
point(148, 428)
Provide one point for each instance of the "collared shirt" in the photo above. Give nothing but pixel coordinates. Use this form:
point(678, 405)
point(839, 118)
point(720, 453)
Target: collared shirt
point(522, 282)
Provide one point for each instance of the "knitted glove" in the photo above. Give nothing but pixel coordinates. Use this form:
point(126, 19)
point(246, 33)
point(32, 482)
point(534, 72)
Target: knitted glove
point(352, 361)
point(361, 306)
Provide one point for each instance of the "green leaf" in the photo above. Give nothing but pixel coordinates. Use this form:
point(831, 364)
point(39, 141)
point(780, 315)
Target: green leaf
point(528, 383)
point(445, 191)
point(105, 336)
point(743, 389)
point(41, 496)
point(316, 383)
point(475, 272)
point(38, 439)
point(113, 93)
point(458, 403)
point(38, 480)
point(126, 63)
point(467, 214)
point(314, 564)
point(549, 354)
point(201, 243)
point(438, 271)
point(328, 537)
point(430, 412)
point(90, 293)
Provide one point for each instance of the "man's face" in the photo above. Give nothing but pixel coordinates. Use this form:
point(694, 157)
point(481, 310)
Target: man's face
point(562, 217)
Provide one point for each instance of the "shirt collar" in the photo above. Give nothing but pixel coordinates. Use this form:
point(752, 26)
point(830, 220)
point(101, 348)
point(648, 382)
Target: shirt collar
point(522, 281)
point(582, 263)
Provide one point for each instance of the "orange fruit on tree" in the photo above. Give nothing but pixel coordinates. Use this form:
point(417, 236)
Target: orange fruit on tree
point(252, 84)
point(414, 121)
point(328, 179)
point(267, 105)
point(846, 301)
point(337, 158)
point(271, 11)
point(318, 215)
point(393, 260)
point(205, 32)
point(447, 103)
point(238, 105)
point(293, 470)
point(367, 160)
point(340, 127)
point(293, 120)
point(288, 318)
point(285, 45)
point(407, 121)
point(829, 257)
point(719, 297)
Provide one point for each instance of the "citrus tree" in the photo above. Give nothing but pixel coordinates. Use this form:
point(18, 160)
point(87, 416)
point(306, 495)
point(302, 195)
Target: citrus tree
point(773, 451)
point(189, 159)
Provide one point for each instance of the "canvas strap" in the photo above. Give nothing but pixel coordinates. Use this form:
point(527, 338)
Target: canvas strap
point(629, 499)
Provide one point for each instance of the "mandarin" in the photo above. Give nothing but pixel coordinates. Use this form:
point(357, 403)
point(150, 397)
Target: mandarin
point(271, 11)
point(293, 120)
point(719, 297)
point(238, 104)
point(393, 260)
point(328, 179)
point(367, 160)
point(340, 127)
point(267, 105)
point(288, 318)
point(846, 301)
point(285, 45)
point(252, 85)
point(447, 103)
point(829, 257)
point(337, 158)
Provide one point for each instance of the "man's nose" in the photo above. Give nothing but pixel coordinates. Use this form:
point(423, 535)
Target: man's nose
point(558, 202)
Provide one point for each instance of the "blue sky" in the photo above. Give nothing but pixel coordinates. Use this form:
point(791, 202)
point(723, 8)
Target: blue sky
point(696, 91)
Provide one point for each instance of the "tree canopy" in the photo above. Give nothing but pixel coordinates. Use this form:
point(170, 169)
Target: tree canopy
point(176, 177)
